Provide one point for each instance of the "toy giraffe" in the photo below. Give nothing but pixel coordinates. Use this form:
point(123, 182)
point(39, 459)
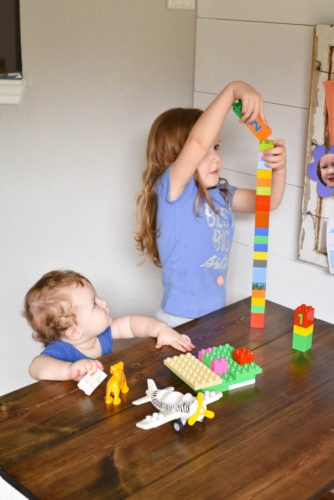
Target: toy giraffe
point(116, 384)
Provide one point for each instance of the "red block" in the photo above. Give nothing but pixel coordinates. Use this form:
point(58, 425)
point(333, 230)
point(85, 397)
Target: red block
point(243, 356)
point(304, 316)
point(257, 320)
point(262, 203)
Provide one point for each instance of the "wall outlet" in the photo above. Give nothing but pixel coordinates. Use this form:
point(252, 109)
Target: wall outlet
point(181, 4)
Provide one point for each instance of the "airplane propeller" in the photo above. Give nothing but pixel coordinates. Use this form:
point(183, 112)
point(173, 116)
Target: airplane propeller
point(200, 410)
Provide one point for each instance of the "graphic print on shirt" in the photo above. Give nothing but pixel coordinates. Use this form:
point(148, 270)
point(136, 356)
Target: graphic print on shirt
point(220, 224)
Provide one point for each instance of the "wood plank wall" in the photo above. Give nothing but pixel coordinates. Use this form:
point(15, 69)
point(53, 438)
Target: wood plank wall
point(268, 45)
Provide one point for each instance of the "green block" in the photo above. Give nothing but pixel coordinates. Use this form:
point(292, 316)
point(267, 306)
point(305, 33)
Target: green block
point(302, 343)
point(237, 106)
point(265, 145)
point(264, 191)
point(258, 309)
point(236, 373)
point(261, 239)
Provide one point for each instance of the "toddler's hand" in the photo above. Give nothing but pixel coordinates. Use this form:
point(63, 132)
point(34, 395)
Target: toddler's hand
point(275, 157)
point(252, 103)
point(80, 368)
point(168, 336)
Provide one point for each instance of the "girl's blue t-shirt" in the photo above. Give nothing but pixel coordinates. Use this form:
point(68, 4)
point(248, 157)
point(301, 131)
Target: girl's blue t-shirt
point(193, 250)
point(67, 352)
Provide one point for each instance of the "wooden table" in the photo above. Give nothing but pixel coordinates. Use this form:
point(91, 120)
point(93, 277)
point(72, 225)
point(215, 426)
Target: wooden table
point(274, 440)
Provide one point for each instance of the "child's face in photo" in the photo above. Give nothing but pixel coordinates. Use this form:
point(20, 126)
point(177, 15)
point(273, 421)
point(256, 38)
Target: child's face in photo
point(92, 313)
point(326, 164)
point(211, 165)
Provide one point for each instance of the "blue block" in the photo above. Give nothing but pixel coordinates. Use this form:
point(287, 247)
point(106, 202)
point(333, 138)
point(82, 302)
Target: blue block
point(260, 247)
point(262, 231)
point(259, 274)
point(261, 165)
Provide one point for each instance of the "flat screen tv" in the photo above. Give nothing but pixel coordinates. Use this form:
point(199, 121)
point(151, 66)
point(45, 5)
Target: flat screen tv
point(10, 40)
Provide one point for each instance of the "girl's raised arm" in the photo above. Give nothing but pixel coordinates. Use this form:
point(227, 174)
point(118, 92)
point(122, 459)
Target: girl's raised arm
point(207, 128)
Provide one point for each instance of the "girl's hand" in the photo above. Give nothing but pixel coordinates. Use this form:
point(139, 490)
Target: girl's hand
point(276, 157)
point(168, 336)
point(252, 103)
point(80, 368)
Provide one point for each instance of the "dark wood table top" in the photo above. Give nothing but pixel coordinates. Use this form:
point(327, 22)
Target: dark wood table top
point(273, 440)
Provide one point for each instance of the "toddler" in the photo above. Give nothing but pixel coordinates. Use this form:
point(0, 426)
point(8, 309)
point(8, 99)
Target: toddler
point(75, 327)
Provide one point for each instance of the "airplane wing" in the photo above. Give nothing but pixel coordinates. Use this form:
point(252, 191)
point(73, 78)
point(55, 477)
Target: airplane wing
point(157, 419)
point(140, 401)
point(151, 387)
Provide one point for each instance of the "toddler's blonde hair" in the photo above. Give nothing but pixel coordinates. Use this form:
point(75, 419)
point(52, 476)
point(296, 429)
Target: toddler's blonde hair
point(47, 306)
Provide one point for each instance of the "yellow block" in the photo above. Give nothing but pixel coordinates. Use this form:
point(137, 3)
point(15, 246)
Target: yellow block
point(265, 174)
point(258, 302)
point(303, 331)
point(260, 255)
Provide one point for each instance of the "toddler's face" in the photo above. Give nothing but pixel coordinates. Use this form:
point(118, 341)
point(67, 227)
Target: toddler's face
point(92, 313)
point(327, 169)
point(210, 166)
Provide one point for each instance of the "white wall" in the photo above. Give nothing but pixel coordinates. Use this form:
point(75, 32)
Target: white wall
point(72, 152)
point(271, 48)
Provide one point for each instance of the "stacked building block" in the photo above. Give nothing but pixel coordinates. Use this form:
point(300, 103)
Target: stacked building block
point(303, 328)
point(262, 210)
point(258, 127)
point(261, 237)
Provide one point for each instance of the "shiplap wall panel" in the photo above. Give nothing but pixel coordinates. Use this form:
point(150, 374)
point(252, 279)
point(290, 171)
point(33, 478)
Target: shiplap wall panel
point(274, 58)
point(284, 220)
point(294, 282)
point(285, 11)
point(289, 282)
point(240, 147)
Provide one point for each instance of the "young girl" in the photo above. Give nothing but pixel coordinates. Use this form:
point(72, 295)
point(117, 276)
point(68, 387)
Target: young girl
point(184, 212)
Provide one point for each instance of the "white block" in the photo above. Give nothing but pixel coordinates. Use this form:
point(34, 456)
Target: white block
point(90, 382)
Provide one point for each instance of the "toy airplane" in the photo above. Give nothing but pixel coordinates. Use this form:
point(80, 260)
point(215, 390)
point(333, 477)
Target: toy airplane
point(173, 405)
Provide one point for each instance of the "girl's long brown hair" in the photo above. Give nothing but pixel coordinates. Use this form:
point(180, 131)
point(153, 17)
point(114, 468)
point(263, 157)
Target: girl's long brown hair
point(166, 139)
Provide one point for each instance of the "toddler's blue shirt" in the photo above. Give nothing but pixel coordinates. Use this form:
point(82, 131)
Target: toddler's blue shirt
point(67, 352)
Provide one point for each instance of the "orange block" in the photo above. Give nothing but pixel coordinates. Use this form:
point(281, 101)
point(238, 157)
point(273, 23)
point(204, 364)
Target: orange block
point(259, 129)
point(259, 294)
point(263, 182)
point(262, 219)
point(329, 97)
